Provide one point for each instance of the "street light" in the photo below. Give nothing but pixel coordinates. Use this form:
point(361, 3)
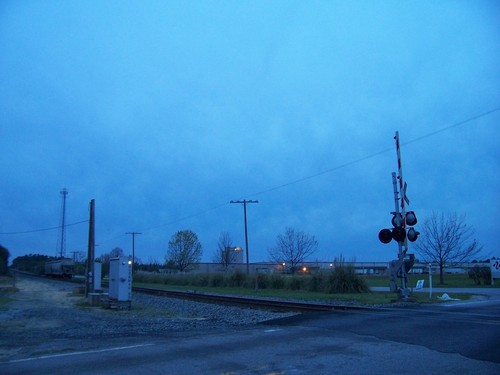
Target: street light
point(133, 248)
point(244, 201)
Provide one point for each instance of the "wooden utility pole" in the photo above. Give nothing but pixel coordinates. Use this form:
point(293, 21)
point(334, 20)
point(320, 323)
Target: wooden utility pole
point(89, 272)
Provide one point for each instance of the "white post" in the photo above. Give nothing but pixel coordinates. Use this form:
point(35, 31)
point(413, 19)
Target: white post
point(430, 281)
point(97, 275)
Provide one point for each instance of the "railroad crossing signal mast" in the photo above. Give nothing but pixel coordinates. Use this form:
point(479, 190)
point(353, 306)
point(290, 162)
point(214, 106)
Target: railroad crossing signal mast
point(401, 220)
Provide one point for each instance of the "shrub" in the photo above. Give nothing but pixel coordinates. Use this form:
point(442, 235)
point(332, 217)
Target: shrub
point(343, 279)
point(169, 279)
point(316, 283)
point(276, 281)
point(295, 283)
point(261, 281)
point(197, 280)
point(217, 280)
point(237, 279)
point(148, 278)
point(480, 273)
point(179, 280)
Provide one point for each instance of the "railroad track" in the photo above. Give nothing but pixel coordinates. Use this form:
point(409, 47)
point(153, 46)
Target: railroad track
point(251, 302)
point(263, 303)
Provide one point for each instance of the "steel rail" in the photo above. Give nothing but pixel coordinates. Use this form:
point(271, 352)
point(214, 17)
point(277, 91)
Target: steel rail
point(253, 302)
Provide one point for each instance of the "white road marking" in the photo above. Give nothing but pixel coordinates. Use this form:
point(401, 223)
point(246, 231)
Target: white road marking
point(458, 303)
point(79, 353)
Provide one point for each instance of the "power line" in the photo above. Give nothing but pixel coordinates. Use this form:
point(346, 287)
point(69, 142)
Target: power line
point(293, 182)
point(356, 161)
point(460, 123)
point(45, 229)
point(338, 167)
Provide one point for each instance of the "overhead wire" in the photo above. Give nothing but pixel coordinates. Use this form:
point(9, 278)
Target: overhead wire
point(338, 167)
point(286, 184)
point(457, 124)
point(45, 229)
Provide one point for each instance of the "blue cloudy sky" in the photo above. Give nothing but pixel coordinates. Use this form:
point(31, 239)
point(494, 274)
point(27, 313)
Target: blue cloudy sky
point(164, 111)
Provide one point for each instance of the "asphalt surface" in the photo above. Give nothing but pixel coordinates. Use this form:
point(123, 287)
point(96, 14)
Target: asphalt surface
point(454, 337)
point(490, 293)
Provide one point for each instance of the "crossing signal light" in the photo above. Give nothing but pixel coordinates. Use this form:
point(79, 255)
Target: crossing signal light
point(412, 235)
point(399, 234)
point(385, 236)
point(411, 218)
point(397, 220)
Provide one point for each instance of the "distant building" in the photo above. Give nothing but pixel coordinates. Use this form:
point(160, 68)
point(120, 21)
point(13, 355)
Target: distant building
point(236, 254)
point(363, 268)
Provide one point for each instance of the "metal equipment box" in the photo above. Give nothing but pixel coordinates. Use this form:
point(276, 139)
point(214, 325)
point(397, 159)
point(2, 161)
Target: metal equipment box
point(120, 279)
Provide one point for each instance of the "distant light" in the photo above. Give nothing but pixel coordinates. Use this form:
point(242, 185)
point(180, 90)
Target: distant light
point(129, 262)
point(331, 264)
point(304, 269)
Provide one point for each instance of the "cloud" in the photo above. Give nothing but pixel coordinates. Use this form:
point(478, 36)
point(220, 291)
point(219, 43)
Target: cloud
point(163, 113)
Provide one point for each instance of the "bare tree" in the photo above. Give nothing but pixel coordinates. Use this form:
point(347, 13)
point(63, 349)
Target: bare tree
point(446, 240)
point(293, 247)
point(184, 249)
point(225, 255)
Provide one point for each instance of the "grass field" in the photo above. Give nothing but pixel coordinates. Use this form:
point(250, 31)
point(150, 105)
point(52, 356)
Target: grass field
point(450, 281)
point(371, 298)
point(192, 282)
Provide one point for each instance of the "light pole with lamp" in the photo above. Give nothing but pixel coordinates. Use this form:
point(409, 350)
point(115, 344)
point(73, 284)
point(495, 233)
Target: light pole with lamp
point(244, 201)
point(133, 248)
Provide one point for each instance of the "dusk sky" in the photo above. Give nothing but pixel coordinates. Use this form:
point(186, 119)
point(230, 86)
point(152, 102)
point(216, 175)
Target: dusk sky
point(164, 111)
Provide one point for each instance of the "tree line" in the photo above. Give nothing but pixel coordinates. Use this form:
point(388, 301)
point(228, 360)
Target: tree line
point(444, 240)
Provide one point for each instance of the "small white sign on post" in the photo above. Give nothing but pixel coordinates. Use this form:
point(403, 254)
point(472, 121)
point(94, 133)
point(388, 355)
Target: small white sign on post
point(495, 269)
point(420, 284)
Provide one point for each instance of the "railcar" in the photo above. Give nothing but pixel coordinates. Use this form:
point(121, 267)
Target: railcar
point(61, 268)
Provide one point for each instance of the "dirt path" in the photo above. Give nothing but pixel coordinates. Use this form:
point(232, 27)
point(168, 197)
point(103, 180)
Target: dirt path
point(45, 317)
point(34, 310)
point(47, 292)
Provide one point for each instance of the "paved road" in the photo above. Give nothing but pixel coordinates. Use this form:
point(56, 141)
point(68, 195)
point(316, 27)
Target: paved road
point(491, 293)
point(456, 337)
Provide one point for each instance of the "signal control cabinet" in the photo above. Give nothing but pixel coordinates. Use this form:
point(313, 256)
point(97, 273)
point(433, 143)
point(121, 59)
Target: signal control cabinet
point(120, 279)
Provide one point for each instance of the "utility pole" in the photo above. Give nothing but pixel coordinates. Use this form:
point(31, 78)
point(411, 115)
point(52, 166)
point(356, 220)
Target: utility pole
point(133, 247)
point(62, 248)
point(91, 251)
point(244, 201)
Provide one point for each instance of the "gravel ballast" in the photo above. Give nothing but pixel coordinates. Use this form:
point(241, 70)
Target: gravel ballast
point(43, 313)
